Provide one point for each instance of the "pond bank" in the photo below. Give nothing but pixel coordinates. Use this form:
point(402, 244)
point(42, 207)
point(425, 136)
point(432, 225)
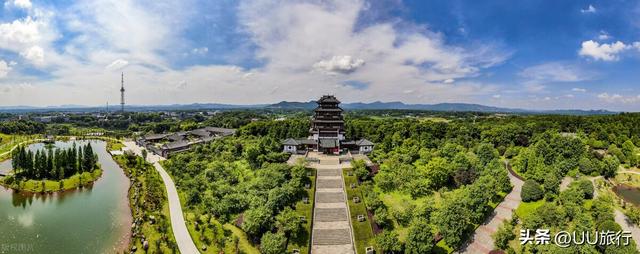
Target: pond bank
point(76, 181)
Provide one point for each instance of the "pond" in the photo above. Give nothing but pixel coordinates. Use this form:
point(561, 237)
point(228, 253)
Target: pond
point(94, 219)
point(628, 193)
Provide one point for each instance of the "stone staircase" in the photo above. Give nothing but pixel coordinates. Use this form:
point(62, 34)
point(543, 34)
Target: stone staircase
point(331, 232)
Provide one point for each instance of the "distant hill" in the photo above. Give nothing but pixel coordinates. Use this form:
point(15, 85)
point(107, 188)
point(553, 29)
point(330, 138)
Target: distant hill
point(453, 107)
point(310, 105)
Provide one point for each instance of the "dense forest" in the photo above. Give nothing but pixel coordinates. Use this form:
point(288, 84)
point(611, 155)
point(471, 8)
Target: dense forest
point(441, 175)
point(53, 164)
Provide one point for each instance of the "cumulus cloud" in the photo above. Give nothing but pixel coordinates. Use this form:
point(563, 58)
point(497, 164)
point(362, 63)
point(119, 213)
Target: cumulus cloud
point(117, 64)
point(21, 33)
point(589, 9)
point(339, 64)
point(4, 69)
point(34, 54)
point(556, 72)
point(604, 51)
point(617, 98)
point(296, 43)
point(23, 4)
point(577, 89)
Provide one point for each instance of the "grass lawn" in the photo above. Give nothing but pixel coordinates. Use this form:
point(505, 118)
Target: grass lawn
point(526, 208)
point(39, 186)
point(113, 145)
point(217, 238)
point(7, 142)
point(303, 241)
point(362, 231)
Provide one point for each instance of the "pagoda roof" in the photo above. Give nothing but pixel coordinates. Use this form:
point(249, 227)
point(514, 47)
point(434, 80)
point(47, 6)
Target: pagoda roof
point(328, 99)
point(320, 109)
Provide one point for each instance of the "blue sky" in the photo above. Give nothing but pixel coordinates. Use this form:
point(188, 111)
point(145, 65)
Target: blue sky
point(529, 54)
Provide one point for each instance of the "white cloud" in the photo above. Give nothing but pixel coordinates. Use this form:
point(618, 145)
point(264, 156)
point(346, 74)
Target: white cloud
point(24, 4)
point(339, 64)
point(555, 72)
point(34, 54)
point(4, 69)
point(569, 95)
point(581, 90)
point(617, 98)
point(19, 34)
point(497, 96)
point(200, 51)
point(589, 9)
point(117, 64)
point(291, 40)
point(604, 51)
point(603, 36)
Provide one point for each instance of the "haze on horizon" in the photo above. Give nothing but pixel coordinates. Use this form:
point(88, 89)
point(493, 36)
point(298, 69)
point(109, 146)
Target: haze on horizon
point(534, 54)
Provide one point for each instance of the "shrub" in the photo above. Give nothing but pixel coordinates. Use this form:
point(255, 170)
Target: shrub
point(586, 187)
point(504, 235)
point(531, 191)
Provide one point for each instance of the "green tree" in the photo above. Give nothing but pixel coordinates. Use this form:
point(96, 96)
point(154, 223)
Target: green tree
point(257, 221)
point(420, 238)
point(531, 191)
point(388, 242)
point(611, 164)
point(288, 222)
point(503, 235)
point(273, 243)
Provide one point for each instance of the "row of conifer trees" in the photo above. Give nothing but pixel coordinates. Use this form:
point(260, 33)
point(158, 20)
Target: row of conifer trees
point(53, 164)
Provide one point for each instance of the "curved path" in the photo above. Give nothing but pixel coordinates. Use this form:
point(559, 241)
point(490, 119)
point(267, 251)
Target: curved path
point(180, 231)
point(482, 240)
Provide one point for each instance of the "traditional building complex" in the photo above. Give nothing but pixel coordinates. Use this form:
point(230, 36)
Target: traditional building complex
point(327, 132)
point(170, 143)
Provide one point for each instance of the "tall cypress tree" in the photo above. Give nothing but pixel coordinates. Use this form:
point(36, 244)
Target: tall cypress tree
point(81, 166)
point(89, 158)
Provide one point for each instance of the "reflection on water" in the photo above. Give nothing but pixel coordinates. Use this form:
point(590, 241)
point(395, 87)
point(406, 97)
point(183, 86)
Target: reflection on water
point(628, 193)
point(93, 219)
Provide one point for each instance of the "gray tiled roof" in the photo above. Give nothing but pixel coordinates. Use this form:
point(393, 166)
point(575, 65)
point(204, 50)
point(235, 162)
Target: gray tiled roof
point(176, 144)
point(364, 142)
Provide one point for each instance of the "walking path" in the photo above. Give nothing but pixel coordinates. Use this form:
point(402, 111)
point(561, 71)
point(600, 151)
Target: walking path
point(482, 239)
point(332, 231)
point(180, 231)
point(627, 225)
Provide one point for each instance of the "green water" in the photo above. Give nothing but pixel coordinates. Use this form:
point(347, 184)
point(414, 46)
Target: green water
point(91, 220)
point(628, 193)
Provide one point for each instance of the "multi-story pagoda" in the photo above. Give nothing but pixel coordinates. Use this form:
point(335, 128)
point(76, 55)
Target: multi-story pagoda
point(327, 131)
point(327, 127)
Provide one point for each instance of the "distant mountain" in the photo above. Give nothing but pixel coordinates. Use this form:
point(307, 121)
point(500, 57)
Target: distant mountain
point(453, 107)
point(310, 105)
point(293, 105)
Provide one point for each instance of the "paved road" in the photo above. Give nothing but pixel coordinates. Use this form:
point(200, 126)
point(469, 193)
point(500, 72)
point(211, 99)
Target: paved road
point(180, 231)
point(482, 239)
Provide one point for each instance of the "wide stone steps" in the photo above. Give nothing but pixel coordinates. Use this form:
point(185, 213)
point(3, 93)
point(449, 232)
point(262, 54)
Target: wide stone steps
point(331, 214)
point(329, 172)
point(331, 236)
point(329, 183)
point(329, 197)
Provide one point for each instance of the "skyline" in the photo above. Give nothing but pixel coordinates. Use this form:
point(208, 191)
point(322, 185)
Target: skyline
point(534, 55)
